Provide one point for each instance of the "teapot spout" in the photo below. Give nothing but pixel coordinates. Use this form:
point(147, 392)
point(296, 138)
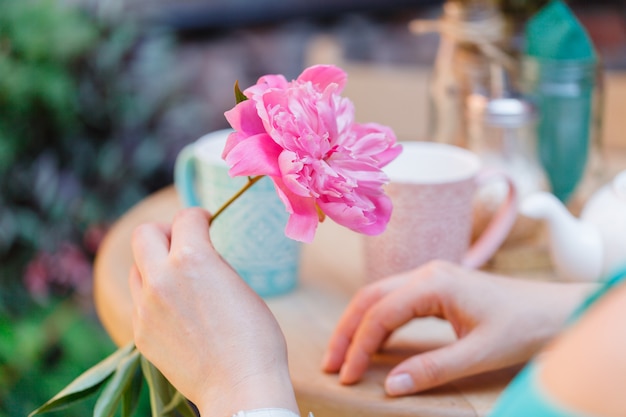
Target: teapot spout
point(576, 248)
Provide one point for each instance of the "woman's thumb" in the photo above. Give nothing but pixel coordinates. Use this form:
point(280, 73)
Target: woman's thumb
point(430, 369)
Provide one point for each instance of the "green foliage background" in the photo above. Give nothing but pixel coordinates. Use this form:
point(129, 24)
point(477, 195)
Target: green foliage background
point(87, 105)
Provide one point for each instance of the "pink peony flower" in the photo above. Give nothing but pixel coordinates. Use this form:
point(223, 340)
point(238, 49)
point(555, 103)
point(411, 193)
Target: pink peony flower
point(303, 136)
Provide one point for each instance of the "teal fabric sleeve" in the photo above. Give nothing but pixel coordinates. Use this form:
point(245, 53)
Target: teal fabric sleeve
point(608, 285)
point(525, 397)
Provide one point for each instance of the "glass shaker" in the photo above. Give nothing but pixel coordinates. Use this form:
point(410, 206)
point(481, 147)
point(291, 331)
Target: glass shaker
point(501, 131)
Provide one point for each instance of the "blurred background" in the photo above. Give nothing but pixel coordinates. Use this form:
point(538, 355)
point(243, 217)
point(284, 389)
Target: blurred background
point(96, 100)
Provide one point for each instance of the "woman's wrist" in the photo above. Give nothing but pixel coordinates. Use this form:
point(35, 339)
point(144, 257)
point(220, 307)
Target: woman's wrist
point(254, 392)
point(267, 412)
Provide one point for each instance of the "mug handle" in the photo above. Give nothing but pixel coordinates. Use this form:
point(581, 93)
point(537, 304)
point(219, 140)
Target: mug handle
point(185, 177)
point(498, 228)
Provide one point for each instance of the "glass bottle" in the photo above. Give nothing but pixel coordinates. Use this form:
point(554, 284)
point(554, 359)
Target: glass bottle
point(567, 96)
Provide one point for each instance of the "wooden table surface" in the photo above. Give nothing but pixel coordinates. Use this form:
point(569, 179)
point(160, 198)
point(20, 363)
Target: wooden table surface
point(330, 273)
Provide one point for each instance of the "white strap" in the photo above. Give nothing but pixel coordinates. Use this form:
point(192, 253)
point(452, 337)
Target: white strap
point(267, 412)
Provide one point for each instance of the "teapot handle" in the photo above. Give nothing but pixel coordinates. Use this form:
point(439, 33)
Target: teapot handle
point(619, 185)
point(500, 225)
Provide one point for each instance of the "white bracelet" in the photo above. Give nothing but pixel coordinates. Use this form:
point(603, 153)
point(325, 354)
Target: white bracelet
point(268, 412)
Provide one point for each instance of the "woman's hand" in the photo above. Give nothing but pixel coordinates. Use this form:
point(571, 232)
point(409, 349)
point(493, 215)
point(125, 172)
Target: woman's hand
point(201, 325)
point(498, 321)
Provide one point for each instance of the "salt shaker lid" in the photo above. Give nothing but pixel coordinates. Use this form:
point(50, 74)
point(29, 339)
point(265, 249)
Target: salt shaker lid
point(509, 112)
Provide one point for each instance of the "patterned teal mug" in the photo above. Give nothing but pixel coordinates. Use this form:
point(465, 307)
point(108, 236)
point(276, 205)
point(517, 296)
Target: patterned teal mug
point(249, 234)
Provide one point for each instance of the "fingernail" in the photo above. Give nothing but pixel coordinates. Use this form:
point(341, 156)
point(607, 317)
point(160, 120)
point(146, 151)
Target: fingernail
point(346, 375)
point(399, 384)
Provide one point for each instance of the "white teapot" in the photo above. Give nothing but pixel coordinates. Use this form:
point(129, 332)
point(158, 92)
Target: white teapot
point(589, 248)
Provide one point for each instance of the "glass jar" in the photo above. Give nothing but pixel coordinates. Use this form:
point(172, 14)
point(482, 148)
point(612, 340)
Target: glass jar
point(472, 39)
point(502, 133)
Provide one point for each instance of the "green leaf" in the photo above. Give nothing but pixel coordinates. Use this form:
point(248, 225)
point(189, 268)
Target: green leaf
point(164, 398)
point(130, 398)
point(174, 402)
point(239, 96)
point(87, 383)
point(179, 402)
point(185, 409)
point(161, 392)
point(117, 386)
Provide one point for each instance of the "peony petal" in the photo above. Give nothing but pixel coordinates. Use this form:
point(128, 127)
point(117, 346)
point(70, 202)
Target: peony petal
point(321, 76)
point(256, 155)
point(359, 170)
point(303, 218)
point(376, 141)
point(334, 114)
point(244, 118)
point(301, 226)
point(233, 140)
point(273, 81)
point(268, 106)
point(380, 216)
point(290, 167)
point(267, 82)
point(352, 217)
point(371, 222)
point(344, 114)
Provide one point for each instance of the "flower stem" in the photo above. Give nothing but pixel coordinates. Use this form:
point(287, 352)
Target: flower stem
point(250, 183)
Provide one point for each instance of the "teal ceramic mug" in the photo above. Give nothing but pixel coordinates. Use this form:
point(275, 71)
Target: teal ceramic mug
point(249, 234)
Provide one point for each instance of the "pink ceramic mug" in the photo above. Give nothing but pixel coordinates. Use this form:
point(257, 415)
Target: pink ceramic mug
point(432, 187)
